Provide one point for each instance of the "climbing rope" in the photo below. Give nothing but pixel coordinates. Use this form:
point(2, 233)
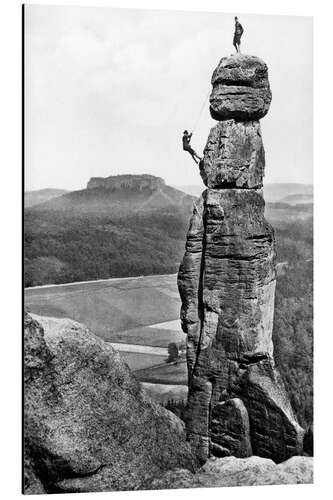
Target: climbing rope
point(200, 112)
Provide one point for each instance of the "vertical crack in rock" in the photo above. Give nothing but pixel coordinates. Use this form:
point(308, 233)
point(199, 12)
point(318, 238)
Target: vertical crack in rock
point(237, 404)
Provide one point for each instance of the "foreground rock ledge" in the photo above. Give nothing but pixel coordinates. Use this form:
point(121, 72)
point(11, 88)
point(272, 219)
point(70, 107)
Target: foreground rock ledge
point(89, 427)
point(231, 471)
point(88, 424)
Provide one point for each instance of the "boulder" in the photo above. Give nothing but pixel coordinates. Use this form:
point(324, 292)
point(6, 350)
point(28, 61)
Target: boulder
point(232, 471)
point(275, 432)
point(241, 89)
point(230, 429)
point(88, 424)
point(234, 156)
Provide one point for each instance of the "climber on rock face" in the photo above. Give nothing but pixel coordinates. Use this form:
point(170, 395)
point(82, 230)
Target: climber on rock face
point(186, 146)
point(237, 35)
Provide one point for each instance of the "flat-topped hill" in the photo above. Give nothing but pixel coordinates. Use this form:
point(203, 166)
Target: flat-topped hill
point(120, 194)
point(118, 226)
point(128, 181)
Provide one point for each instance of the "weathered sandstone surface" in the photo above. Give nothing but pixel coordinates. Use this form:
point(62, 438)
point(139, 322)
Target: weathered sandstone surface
point(230, 429)
point(89, 426)
point(237, 404)
point(231, 471)
point(240, 89)
point(234, 156)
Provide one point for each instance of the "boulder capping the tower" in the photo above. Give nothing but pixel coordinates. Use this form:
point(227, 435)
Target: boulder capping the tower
point(241, 89)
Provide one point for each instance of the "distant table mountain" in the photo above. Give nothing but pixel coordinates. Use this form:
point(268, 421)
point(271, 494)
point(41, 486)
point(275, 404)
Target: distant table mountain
point(119, 194)
point(118, 226)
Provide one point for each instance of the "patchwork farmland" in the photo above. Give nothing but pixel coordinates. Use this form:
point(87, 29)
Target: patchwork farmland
point(138, 316)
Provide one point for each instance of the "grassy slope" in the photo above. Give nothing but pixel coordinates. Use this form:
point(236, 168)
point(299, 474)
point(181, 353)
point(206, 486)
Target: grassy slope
point(118, 311)
point(172, 373)
point(141, 361)
point(108, 308)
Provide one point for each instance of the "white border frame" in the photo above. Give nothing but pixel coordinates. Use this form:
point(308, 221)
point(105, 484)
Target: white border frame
point(10, 44)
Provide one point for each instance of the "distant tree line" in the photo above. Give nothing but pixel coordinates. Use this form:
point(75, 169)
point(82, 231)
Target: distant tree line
point(60, 248)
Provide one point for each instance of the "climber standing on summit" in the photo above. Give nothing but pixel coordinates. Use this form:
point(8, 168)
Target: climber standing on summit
point(237, 35)
point(186, 146)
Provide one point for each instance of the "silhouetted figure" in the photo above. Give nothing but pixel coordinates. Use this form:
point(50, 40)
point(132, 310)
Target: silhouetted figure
point(186, 146)
point(237, 35)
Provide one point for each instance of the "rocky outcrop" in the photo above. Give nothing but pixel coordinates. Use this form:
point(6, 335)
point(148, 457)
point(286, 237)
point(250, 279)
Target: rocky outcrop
point(236, 402)
point(137, 182)
point(230, 429)
point(88, 424)
point(240, 89)
point(234, 156)
point(231, 471)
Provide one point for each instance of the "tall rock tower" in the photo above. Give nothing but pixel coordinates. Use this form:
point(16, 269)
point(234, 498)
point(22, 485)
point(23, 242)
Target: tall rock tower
point(237, 402)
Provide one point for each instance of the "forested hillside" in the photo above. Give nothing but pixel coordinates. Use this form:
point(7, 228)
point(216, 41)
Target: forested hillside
point(293, 319)
point(60, 248)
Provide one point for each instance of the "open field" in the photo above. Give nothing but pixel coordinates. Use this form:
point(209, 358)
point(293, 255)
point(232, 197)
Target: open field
point(138, 316)
point(110, 307)
point(140, 349)
point(151, 335)
point(139, 361)
point(171, 373)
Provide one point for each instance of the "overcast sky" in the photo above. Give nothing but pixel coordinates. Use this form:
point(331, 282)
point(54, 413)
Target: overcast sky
point(110, 91)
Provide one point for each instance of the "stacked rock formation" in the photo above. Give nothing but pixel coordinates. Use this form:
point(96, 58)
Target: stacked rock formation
point(237, 404)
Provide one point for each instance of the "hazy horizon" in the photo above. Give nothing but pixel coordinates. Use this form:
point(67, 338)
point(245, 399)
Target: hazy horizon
point(179, 186)
point(109, 91)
